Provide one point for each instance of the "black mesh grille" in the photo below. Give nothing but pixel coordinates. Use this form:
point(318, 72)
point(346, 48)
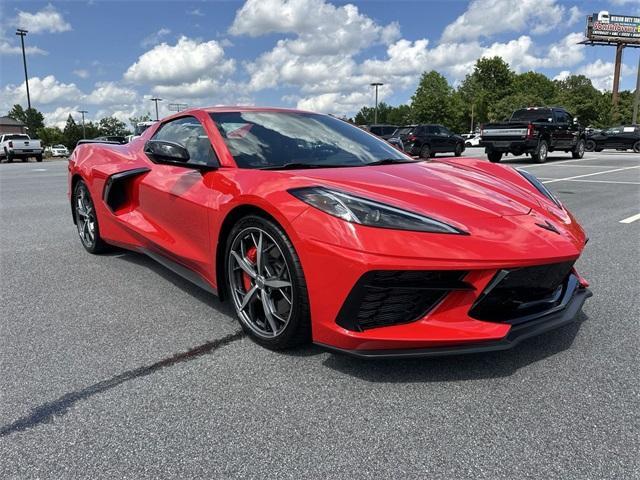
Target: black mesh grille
point(521, 292)
point(382, 298)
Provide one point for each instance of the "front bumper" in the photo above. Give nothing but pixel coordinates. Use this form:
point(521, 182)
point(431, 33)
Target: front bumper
point(516, 334)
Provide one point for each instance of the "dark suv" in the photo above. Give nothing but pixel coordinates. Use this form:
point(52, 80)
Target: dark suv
point(382, 131)
point(426, 140)
point(624, 137)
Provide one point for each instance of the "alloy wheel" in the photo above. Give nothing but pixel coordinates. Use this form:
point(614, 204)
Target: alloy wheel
point(85, 217)
point(260, 282)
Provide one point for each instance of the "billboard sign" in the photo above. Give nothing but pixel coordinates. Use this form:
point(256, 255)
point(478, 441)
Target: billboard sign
point(605, 27)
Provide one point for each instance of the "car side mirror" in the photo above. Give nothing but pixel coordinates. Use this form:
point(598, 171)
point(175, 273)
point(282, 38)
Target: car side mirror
point(575, 120)
point(171, 153)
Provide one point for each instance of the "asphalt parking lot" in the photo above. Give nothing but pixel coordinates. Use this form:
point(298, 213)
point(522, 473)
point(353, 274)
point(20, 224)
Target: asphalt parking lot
point(112, 366)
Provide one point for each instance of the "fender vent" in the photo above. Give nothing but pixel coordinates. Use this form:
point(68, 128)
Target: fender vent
point(115, 189)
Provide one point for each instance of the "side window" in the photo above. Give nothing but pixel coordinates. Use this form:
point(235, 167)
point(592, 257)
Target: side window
point(431, 130)
point(563, 117)
point(189, 132)
point(444, 131)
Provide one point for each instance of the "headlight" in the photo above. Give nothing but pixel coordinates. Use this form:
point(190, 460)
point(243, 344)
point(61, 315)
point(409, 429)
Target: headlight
point(368, 212)
point(539, 186)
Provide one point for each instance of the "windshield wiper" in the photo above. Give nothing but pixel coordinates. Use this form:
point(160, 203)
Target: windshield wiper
point(389, 161)
point(300, 165)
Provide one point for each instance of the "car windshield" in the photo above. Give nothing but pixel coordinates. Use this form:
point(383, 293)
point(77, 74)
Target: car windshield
point(403, 131)
point(532, 115)
point(272, 139)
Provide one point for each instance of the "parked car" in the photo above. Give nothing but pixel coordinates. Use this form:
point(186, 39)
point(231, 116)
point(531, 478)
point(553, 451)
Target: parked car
point(57, 151)
point(427, 140)
point(624, 137)
point(316, 231)
point(396, 142)
point(381, 130)
point(111, 138)
point(19, 146)
point(473, 140)
point(535, 131)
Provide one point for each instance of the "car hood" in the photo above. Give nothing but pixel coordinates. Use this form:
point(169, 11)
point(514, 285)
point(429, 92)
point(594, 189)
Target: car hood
point(443, 190)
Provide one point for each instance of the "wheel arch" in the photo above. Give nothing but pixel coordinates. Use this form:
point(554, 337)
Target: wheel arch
point(74, 181)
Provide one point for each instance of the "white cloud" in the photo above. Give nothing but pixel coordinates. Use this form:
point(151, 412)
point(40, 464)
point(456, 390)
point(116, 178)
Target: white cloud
point(47, 20)
point(562, 75)
point(187, 61)
point(43, 91)
point(154, 38)
point(601, 73)
point(110, 93)
point(81, 72)
point(195, 12)
point(575, 15)
point(58, 117)
point(484, 18)
point(7, 48)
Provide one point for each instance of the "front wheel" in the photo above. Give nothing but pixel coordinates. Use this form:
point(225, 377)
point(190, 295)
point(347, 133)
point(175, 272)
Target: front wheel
point(578, 151)
point(494, 157)
point(459, 150)
point(636, 147)
point(266, 284)
point(87, 220)
point(425, 152)
point(541, 153)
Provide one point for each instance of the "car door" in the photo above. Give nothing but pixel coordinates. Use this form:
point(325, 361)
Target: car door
point(612, 137)
point(448, 140)
point(561, 137)
point(629, 136)
point(433, 138)
point(175, 199)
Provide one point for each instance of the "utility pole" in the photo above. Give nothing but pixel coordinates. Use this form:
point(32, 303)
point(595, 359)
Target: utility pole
point(636, 101)
point(615, 97)
point(21, 32)
point(376, 85)
point(471, 130)
point(83, 131)
point(156, 100)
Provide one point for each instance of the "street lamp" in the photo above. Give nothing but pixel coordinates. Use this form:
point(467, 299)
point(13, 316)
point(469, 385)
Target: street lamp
point(83, 131)
point(156, 100)
point(21, 32)
point(376, 85)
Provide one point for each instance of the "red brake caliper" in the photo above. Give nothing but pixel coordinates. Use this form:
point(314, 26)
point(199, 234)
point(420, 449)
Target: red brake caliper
point(252, 255)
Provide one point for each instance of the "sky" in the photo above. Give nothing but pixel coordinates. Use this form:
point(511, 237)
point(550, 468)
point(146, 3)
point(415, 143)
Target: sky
point(111, 57)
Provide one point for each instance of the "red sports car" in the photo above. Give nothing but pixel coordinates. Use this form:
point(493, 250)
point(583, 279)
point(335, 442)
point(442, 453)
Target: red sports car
point(318, 231)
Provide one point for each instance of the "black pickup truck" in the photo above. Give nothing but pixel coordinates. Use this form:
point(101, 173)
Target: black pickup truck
point(534, 131)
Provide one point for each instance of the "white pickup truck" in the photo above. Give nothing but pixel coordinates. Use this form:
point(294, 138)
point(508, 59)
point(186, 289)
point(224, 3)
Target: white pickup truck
point(18, 145)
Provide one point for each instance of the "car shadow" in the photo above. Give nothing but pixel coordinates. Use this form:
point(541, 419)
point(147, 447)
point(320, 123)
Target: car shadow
point(460, 367)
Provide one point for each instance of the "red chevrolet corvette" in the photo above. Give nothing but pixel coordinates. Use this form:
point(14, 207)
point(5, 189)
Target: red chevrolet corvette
point(318, 231)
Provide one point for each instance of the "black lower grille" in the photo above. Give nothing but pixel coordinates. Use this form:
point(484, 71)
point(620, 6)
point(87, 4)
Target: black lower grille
point(382, 298)
point(522, 292)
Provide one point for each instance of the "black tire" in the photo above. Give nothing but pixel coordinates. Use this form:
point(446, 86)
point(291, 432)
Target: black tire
point(459, 149)
point(25, 159)
point(425, 152)
point(636, 147)
point(541, 153)
point(467, 144)
point(9, 158)
point(494, 157)
point(38, 158)
point(87, 224)
point(296, 329)
point(590, 145)
point(578, 151)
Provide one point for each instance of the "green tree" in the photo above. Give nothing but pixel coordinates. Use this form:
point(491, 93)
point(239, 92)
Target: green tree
point(432, 101)
point(578, 95)
point(50, 135)
point(112, 126)
point(72, 133)
point(32, 118)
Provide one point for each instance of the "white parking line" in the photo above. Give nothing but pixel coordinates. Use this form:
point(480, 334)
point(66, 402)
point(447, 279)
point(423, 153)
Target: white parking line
point(590, 174)
point(619, 182)
point(630, 219)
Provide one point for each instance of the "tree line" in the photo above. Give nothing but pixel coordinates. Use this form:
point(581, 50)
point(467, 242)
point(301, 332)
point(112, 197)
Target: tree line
point(72, 131)
point(492, 92)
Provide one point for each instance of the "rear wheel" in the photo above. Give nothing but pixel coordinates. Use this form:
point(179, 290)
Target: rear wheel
point(87, 220)
point(266, 284)
point(636, 147)
point(541, 153)
point(425, 152)
point(578, 151)
point(590, 145)
point(494, 157)
point(38, 158)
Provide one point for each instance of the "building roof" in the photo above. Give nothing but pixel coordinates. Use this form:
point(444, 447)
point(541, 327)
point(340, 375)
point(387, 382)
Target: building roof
point(10, 121)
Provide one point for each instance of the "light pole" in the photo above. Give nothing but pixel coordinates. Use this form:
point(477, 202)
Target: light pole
point(376, 85)
point(21, 32)
point(83, 131)
point(156, 100)
point(636, 101)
